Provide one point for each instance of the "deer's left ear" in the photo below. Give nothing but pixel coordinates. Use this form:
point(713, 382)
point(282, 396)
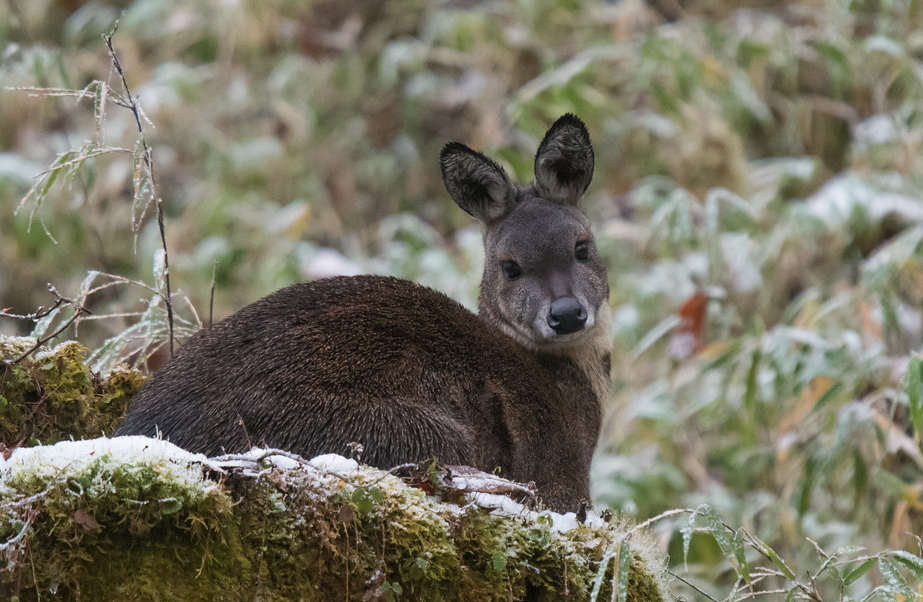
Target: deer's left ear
point(564, 161)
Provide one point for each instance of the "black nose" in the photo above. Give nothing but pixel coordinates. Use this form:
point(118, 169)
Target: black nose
point(566, 316)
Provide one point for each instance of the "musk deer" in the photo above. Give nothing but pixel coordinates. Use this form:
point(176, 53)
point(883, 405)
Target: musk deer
point(406, 371)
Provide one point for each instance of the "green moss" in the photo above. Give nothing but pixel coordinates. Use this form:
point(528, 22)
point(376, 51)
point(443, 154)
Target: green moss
point(109, 529)
point(112, 528)
point(52, 395)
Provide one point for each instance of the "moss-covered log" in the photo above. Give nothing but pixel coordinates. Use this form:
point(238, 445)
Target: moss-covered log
point(133, 518)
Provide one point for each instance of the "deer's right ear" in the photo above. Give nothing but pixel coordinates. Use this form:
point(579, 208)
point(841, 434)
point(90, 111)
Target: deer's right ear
point(476, 183)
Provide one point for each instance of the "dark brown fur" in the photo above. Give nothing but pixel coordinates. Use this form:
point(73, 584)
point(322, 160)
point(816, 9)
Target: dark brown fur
point(406, 371)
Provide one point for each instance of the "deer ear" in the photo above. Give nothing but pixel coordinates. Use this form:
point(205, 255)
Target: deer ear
point(564, 161)
point(476, 183)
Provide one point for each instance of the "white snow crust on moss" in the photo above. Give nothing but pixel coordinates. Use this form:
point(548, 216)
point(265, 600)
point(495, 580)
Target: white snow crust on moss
point(559, 522)
point(13, 341)
point(176, 464)
point(72, 457)
point(335, 463)
point(15, 344)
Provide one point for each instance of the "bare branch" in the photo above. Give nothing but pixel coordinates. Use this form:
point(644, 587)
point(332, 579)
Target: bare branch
point(660, 517)
point(103, 150)
point(211, 299)
point(672, 574)
point(132, 104)
point(59, 300)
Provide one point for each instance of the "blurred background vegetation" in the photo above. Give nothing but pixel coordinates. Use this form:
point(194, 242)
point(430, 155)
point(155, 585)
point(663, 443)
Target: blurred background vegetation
point(757, 196)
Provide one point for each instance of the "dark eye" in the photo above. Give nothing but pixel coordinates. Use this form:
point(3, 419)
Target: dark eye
point(511, 269)
point(582, 251)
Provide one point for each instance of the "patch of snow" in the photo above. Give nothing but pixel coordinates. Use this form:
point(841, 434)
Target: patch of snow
point(19, 341)
point(595, 520)
point(563, 522)
point(335, 463)
point(14, 166)
point(479, 481)
point(173, 462)
point(876, 130)
point(278, 461)
point(740, 253)
point(560, 523)
point(74, 456)
point(498, 502)
point(44, 352)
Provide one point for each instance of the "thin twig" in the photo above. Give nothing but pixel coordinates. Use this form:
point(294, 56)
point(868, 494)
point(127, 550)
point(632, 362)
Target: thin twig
point(672, 574)
point(59, 300)
point(658, 518)
point(97, 152)
point(117, 280)
point(38, 593)
point(211, 299)
point(195, 314)
point(149, 163)
point(35, 316)
point(753, 595)
point(31, 515)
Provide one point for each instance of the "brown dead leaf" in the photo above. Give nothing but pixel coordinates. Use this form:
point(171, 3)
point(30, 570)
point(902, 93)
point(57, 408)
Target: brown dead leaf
point(689, 337)
point(347, 514)
point(86, 520)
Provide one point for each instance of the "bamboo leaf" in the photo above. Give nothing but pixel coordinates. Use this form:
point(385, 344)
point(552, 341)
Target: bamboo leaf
point(853, 575)
point(896, 582)
point(915, 395)
point(727, 542)
point(498, 561)
point(827, 396)
point(740, 555)
point(774, 557)
point(622, 570)
point(913, 563)
point(601, 571)
point(849, 550)
point(749, 400)
point(687, 541)
point(655, 334)
point(52, 176)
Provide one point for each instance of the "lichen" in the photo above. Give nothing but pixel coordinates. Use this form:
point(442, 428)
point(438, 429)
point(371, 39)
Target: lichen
point(52, 395)
point(143, 520)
